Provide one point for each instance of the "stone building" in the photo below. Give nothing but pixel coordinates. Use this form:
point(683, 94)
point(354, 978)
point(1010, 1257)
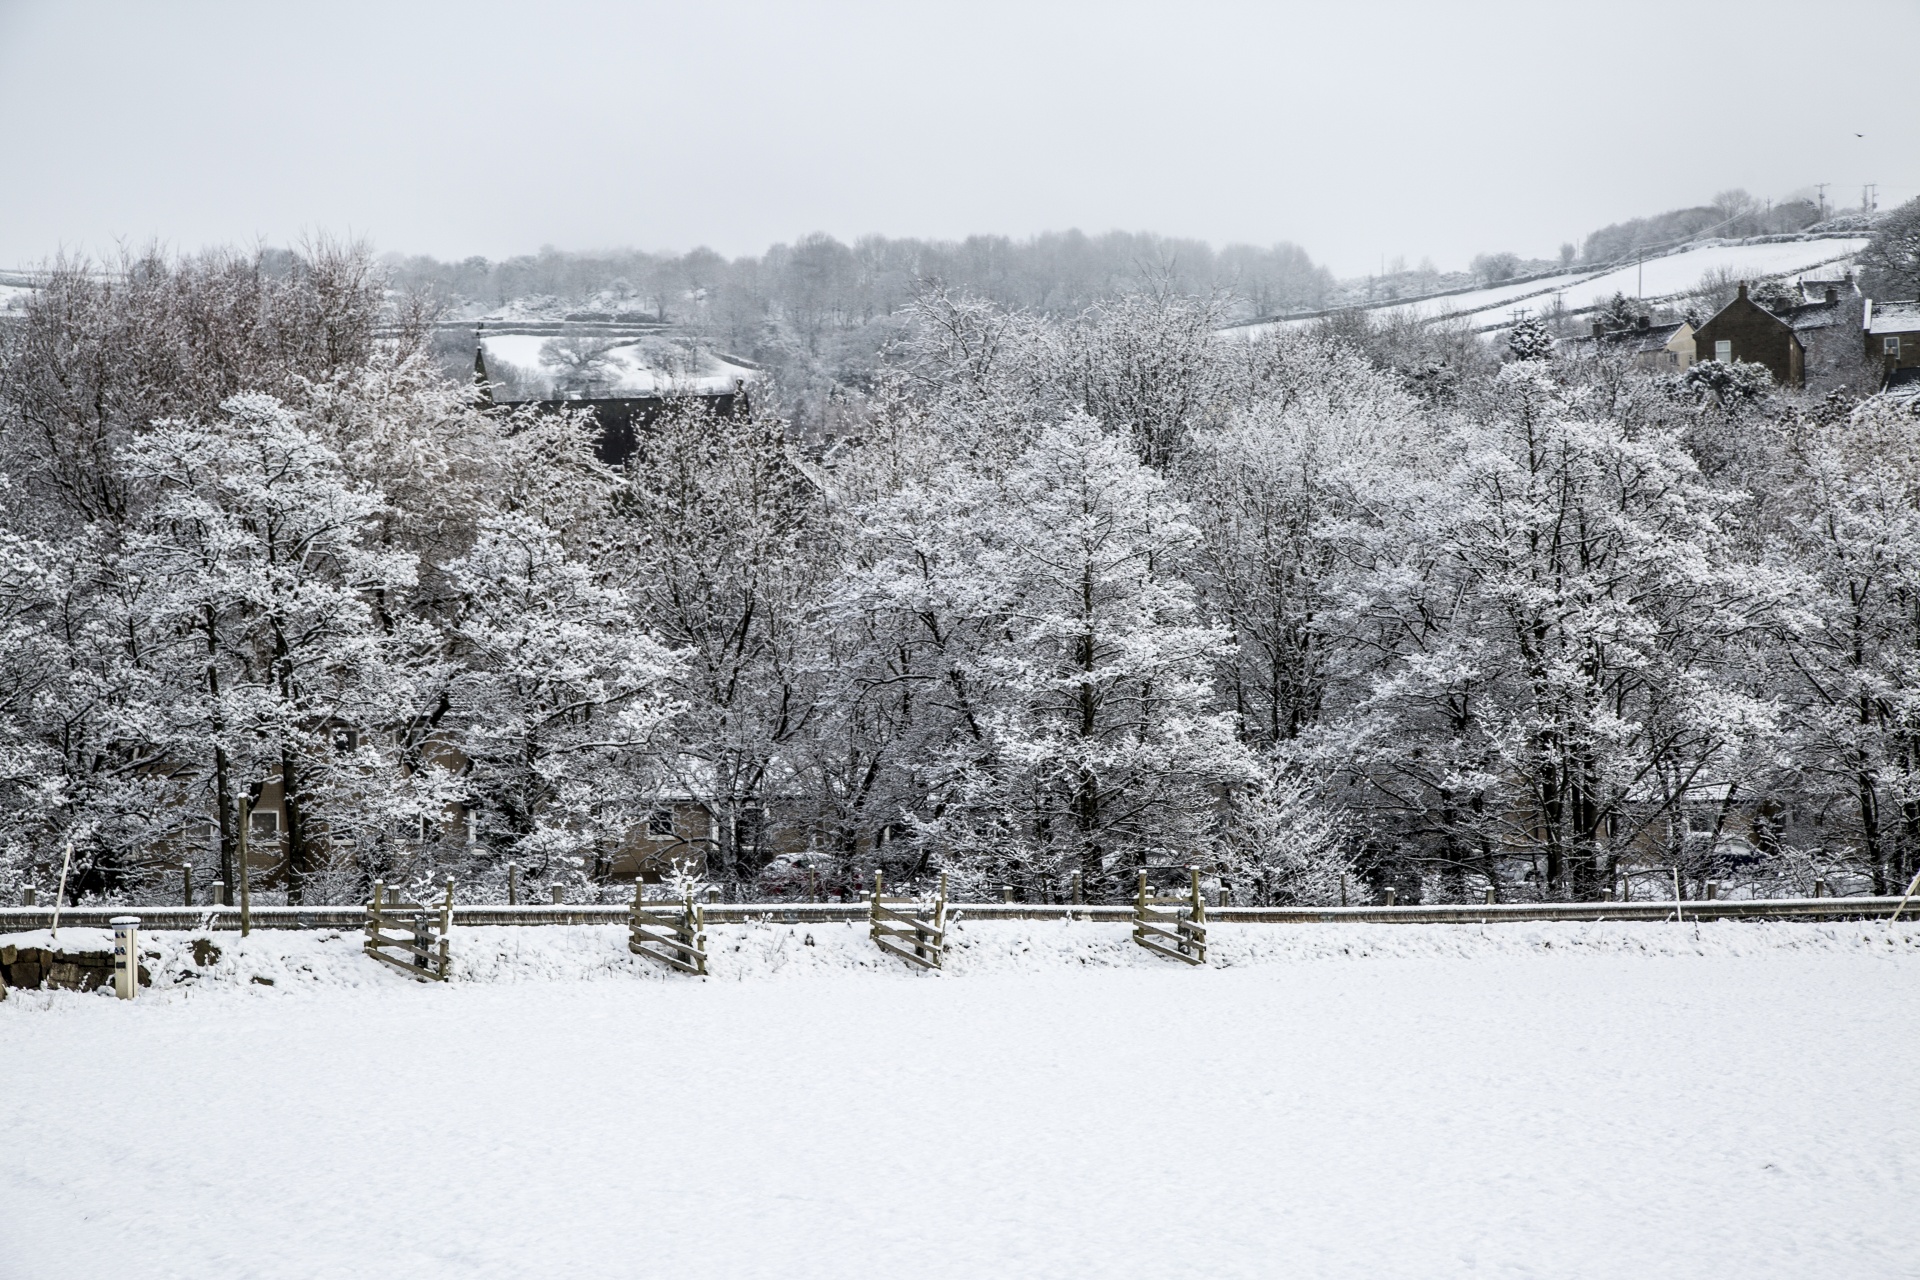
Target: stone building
point(1892, 332)
point(1745, 330)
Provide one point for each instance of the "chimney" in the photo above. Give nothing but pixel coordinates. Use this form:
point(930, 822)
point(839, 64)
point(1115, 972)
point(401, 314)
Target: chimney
point(1598, 328)
point(1743, 291)
point(1643, 322)
point(1833, 295)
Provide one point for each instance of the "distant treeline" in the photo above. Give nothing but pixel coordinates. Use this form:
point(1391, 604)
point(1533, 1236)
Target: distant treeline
point(818, 283)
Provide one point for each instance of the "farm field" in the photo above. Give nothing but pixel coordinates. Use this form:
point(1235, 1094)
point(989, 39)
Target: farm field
point(1339, 1101)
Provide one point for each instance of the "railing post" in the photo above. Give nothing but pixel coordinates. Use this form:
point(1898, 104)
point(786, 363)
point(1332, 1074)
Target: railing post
point(246, 892)
point(1006, 893)
point(30, 896)
point(1391, 895)
point(558, 893)
point(126, 956)
point(1491, 896)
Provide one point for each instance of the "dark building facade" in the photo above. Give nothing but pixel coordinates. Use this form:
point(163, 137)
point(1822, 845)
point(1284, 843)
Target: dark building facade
point(1745, 330)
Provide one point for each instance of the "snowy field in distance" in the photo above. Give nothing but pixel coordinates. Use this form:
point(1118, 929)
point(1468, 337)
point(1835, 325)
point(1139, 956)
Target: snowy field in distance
point(1656, 278)
point(1726, 1100)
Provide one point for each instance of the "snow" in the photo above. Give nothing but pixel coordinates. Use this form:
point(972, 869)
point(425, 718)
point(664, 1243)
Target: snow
point(629, 372)
point(1656, 278)
point(1555, 1100)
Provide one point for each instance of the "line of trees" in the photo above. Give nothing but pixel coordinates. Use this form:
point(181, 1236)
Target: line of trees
point(1075, 593)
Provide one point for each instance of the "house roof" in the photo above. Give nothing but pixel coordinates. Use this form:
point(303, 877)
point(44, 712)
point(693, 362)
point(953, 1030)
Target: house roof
point(1893, 317)
point(1815, 315)
point(1630, 342)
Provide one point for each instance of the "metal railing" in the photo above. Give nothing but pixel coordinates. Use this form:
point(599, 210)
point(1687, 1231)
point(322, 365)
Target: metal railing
point(21, 919)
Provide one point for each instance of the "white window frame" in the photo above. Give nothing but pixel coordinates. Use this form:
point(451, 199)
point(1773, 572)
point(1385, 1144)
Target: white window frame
point(1890, 345)
point(1723, 350)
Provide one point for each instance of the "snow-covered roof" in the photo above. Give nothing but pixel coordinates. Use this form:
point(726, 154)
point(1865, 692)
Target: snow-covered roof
point(623, 370)
point(1893, 317)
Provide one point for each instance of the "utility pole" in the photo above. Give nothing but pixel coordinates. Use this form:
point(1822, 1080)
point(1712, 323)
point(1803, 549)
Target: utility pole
point(1870, 197)
point(1821, 188)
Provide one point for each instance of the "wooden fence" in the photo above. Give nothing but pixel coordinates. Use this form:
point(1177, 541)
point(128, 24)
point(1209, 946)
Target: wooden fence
point(911, 928)
point(1174, 927)
point(674, 933)
point(422, 951)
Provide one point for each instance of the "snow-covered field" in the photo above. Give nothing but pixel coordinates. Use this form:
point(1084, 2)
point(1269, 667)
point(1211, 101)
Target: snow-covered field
point(1731, 1099)
point(1656, 278)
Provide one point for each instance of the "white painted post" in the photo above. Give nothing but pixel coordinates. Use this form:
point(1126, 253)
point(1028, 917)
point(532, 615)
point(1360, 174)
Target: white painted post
point(60, 895)
point(126, 956)
point(1490, 895)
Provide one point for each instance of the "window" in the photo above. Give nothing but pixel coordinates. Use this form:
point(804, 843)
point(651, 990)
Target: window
point(660, 824)
point(1723, 351)
point(1891, 346)
point(263, 824)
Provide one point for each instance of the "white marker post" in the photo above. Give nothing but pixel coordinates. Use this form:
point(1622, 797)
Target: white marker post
point(61, 896)
point(126, 956)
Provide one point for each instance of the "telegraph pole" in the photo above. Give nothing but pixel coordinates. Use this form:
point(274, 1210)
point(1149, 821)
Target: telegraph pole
point(1821, 187)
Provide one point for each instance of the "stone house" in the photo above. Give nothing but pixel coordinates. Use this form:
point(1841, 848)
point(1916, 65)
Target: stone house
point(1892, 332)
point(1745, 330)
point(1666, 347)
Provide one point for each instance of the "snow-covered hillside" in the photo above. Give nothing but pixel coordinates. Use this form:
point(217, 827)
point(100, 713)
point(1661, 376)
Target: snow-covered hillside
point(1652, 1101)
point(1654, 279)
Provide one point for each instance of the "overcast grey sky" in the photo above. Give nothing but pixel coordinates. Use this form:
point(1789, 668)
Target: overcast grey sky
point(1356, 130)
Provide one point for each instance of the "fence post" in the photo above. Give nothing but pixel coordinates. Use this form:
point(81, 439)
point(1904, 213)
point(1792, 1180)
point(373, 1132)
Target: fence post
point(30, 896)
point(1343, 888)
point(1390, 895)
point(1006, 893)
point(1713, 890)
point(219, 892)
point(186, 884)
point(558, 893)
point(1491, 897)
point(246, 894)
point(126, 956)
point(1079, 890)
point(1820, 889)
point(513, 884)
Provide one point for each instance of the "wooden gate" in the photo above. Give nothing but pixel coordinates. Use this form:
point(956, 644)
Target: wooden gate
point(910, 928)
point(422, 951)
point(1175, 927)
point(674, 933)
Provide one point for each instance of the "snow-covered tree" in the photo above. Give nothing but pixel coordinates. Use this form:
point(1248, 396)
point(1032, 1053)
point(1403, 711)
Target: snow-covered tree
point(259, 581)
point(556, 703)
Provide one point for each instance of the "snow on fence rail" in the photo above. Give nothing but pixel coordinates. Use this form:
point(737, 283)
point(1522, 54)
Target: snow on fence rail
point(911, 928)
point(674, 933)
point(1178, 919)
point(422, 952)
point(21, 919)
